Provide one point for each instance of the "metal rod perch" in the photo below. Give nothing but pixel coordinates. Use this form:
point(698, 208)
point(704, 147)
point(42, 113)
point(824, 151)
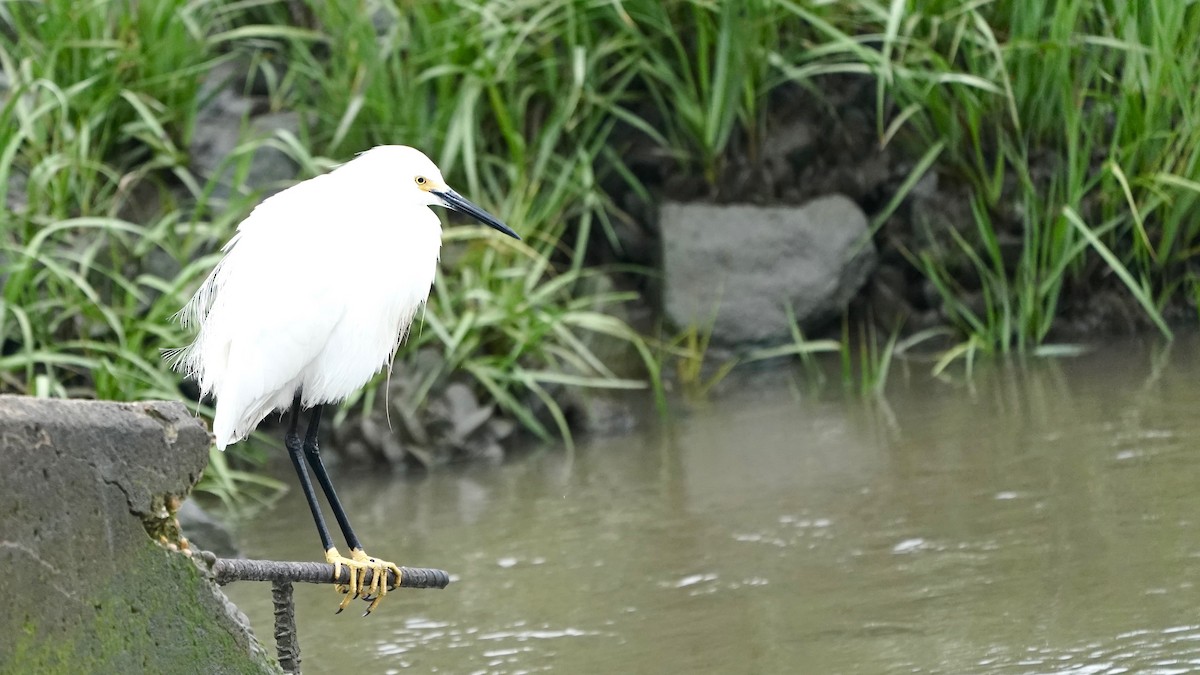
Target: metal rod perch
point(283, 574)
point(228, 570)
point(287, 645)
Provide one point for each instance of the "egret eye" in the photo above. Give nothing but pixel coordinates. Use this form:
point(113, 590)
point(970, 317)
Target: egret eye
point(329, 343)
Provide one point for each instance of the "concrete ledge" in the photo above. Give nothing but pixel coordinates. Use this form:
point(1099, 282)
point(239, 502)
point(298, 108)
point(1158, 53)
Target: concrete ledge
point(88, 574)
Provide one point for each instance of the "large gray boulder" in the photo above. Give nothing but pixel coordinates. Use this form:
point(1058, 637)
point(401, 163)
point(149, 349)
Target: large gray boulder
point(749, 263)
point(92, 579)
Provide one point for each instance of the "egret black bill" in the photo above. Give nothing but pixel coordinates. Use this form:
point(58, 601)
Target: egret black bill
point(459, 203)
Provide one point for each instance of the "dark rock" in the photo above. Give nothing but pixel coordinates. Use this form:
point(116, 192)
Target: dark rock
point(600, 413)
point(385, 17)
point(930, 294)
point(411, 427)
point(204, 532)
point(749, 264)
point(16, 194)
point(926, 187)
point(634, 239)
point(888, 294)
point(93, 581)
point(458, 425)
point(937, 210)
point(872, 172)
point(224, 127)
point(785, 141)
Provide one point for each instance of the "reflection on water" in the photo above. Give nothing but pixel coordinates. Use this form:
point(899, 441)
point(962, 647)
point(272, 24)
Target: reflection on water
point(1043, 518)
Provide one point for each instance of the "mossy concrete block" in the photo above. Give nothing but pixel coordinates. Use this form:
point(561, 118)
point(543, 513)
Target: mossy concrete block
point(88, 577)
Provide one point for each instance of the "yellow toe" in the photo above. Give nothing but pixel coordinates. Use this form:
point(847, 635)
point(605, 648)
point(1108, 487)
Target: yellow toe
point(359, 563)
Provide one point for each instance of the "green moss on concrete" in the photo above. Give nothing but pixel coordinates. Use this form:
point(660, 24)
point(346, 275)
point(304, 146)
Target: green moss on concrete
point(164, 627)
point(86, 511)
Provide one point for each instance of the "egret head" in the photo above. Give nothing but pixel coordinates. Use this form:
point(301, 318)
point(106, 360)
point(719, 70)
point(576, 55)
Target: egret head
point(421, 182)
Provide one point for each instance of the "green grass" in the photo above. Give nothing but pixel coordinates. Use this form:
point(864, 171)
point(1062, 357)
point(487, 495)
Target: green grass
point(1074, 126)
point(95, 121)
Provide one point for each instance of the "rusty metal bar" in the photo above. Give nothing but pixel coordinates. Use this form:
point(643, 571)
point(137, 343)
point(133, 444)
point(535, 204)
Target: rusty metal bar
point(283, 574)
point(228, 570)
point(287, 645)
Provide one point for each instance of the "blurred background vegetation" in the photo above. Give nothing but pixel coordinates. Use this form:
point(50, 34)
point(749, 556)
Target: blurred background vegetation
point(1071, 130)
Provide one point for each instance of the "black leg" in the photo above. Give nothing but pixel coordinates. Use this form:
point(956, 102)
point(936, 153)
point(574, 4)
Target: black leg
point(313, 453)
point(291, 441)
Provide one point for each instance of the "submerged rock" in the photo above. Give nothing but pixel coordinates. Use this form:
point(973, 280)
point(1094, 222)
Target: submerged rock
point(747, 265)
point(205, 532)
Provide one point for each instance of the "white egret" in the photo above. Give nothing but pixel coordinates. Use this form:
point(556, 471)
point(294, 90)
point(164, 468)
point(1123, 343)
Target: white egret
point(314, 293)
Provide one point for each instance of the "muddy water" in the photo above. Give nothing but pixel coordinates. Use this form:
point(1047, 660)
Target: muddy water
point(1042, 518)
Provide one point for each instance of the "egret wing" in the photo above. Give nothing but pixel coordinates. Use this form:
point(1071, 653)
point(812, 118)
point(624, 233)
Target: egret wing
point(270, 311)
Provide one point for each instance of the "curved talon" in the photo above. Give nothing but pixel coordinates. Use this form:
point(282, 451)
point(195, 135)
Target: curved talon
point(358, 564)
point(378, 587)
point(345, 601)
point(357, 572)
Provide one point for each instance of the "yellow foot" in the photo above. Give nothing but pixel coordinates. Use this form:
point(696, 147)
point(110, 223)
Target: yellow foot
point(359, 563)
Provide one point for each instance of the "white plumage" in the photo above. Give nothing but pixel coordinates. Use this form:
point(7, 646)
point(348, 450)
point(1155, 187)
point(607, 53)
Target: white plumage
point(314, 293)
point(318, 287)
